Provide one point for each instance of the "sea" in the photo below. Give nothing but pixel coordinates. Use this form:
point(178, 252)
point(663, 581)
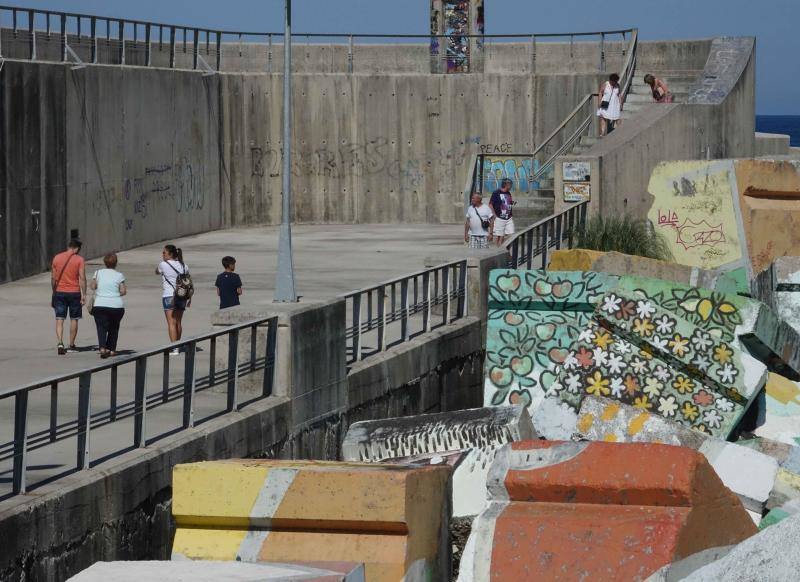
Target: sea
point(786, 124)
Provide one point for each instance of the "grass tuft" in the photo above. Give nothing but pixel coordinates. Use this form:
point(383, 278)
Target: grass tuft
point(624, 234)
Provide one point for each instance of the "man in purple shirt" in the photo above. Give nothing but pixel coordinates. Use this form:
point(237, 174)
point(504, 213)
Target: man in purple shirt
point(501, 202)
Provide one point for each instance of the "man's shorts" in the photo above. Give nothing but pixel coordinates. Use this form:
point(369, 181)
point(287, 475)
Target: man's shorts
point(173, 304)
point(503, 227)
point(67, 302)
point(478, 242)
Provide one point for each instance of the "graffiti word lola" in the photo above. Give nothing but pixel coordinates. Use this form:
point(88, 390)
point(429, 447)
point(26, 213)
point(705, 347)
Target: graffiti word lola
point(667, 218)
point(491, 148)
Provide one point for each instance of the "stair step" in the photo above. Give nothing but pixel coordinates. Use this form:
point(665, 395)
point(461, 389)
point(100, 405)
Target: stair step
point(580, 148)
point(589, 140)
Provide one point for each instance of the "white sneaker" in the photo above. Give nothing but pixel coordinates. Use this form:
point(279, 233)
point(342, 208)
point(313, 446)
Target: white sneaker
point(174, 352)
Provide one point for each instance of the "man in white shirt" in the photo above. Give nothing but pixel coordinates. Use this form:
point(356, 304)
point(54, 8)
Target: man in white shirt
point(479, 223)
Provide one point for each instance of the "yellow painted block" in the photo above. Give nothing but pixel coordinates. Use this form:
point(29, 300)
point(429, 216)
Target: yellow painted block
point(388, 516)
point(573, 260)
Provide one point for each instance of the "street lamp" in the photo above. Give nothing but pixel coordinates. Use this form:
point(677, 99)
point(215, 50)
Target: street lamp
point(284, 287)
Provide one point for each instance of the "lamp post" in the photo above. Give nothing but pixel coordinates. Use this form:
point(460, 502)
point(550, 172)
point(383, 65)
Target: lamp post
point(284, 287)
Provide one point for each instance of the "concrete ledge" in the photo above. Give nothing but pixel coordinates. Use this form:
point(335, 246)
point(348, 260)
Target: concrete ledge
point(121, 511)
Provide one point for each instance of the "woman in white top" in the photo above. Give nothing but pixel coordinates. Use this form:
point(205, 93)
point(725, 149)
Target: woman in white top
point(610, 109)
point(108, 310)
point(169, 268)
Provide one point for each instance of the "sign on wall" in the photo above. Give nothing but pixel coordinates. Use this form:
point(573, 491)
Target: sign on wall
point(576, 171)
point(577, 191)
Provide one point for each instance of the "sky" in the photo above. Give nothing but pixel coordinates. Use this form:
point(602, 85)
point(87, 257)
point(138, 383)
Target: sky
point(774, 23)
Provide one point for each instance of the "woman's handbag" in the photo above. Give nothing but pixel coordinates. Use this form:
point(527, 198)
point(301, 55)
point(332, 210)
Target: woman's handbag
point(604, 104)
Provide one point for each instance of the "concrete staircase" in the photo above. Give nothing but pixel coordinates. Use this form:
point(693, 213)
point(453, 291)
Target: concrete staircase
point(640, 94)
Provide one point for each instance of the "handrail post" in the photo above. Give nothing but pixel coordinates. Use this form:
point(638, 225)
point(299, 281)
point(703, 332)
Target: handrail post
point(53, 411)
point(381, 299)
point(165, 379)
point(121, 42)
point(171, 47)
point(212, 362)
point(147, 50)
point(32, 32)
point(189, 384)
point(529, 250)
point(20, 442)
point(602, 51)
point(63, 37)
point(350, 55)
point(446, 284)
point(233, 370)
point(84, 419)
point(426, 300)
point(357, 327)
point(140, 403)
point(112, 397)
point(253, 343)
point(404, 331)
point(195, 48)
point(558, 226)
point(269, 358)
point(93, 28)
point(462, 289)
point(219, 51)
point(545, 243)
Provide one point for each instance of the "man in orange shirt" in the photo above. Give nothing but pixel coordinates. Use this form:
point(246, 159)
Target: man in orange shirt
point(68, 279)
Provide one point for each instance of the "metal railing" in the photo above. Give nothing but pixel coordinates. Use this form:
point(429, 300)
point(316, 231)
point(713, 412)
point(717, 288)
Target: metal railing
point(124, 371)
point(554, 232)
point(49, 35)
point(438, 293)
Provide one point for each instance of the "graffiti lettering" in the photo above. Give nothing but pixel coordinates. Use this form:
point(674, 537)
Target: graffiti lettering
point(692, 234)
point(517, 169)
point(667, 218)
point(503, 148)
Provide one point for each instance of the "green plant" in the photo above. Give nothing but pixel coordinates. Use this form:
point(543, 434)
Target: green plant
point(624, 234)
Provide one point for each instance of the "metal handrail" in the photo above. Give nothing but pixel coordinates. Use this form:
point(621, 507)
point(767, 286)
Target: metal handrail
point(243, 33)
point(438, 286)
point(551, 232)
point(88, 420)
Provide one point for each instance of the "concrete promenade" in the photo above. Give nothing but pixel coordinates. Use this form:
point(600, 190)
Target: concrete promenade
point(329, 261)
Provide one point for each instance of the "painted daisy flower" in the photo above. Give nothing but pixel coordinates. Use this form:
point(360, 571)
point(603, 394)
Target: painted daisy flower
point(573, 383)
point(664, 325)
point(622, 346)
point(659, 343)
point(643, 327)
point(662, 373)
point(689, 411)
point(703, 398)
point(586, 336)
point(600, 357)
point(642, 403)
point(712, 418)
point(679, 345)
point(617, 387)
point(667, 406)
point(597, 385)
point(644, 309)
point(603, 339)
point(584, 358)
point(615, 363)
point(683, 384)
point(727, 373)
point(638, 365)
point(701, 362)
point(570, 361)
point(611, 303)
point(652, 387)
point(701, 340)
point(724, 404)
point(723, 354)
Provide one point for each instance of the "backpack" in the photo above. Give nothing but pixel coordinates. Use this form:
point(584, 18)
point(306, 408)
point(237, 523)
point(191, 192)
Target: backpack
point(184, 287)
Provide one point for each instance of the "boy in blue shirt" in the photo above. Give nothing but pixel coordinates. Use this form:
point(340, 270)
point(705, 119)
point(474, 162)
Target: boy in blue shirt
point(229, 284)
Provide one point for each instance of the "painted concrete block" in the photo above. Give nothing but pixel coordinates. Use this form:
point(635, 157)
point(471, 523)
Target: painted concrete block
point(770, 556)
point(782, 421)
point(791, 507)
point(208, 571)
point(623, 265)
point(393, 518)
point(478, 433)
point(745, 471)
point(608, 511)
point(534, 316)
point(786, 488)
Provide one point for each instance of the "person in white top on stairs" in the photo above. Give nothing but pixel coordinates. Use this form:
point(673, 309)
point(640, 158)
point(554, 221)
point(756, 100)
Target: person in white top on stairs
point(610, 108)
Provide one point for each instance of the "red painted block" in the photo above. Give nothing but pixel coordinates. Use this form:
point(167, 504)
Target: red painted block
point(598, 511)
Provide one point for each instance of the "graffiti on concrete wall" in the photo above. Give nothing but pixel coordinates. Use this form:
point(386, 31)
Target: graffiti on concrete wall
point(374, 157)
point(517, 168)
point(693, 208)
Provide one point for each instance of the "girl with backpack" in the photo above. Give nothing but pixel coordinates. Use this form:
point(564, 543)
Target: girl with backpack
point(177, 290)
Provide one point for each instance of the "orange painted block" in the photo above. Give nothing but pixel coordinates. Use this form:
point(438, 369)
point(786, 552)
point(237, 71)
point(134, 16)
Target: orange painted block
point(598, 511)
point(393, 518)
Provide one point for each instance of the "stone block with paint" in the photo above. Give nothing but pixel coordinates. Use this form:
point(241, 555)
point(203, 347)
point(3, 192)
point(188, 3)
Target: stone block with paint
point(608, 511)
point(534, 316)
point(779, 287)
point(782, 415)
point(738, 320)
point(393, 518)
point(478, 433)
point(668, 348)
point(620, 264)
point(727, 213)
point(208, 571)
point(745, 471)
